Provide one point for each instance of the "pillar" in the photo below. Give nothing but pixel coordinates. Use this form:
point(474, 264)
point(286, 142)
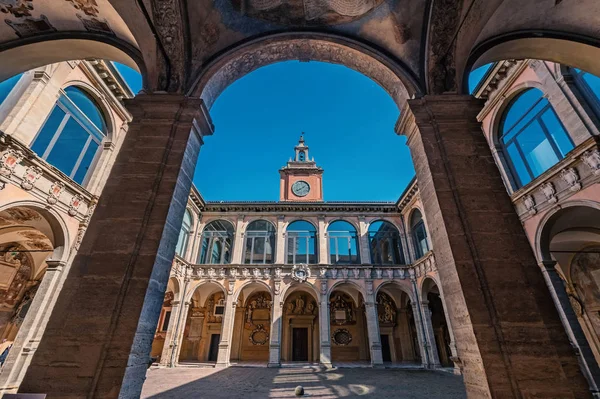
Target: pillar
point(324, 328)
point(276, 322)
point(572, 325)
point(32, 328)
point(226, 332)
point(170, 336)
point(421, 338)
point(363, 241)
point(373, 328)
point(98, 339)
point(178, 338)
point(280, 241)
point(434, 357)
point(322, 247)
point(510, 339)
point(239, 245)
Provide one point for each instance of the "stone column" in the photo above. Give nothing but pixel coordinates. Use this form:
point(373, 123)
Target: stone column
point(276, 321)
point(238, 243)
point(423, 345)
point(373, 327)
point(170, 340)
point(322, 247)
point(280, 241)
point(572, 325)
point(434, 357)
point(178, 339)
point(31, 330)
point(324, 330)
point(363, 241)
point(100, 333)
point(506, 327)
point(226, 332)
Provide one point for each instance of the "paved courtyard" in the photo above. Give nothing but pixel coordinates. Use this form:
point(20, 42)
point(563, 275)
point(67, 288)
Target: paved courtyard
point(255, 383)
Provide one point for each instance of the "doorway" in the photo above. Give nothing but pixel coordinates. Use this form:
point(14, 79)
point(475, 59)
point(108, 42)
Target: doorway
point(385, 348)
point(213, 352)
point(300, 344)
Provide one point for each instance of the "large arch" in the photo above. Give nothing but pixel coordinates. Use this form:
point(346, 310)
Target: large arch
point(396, 79)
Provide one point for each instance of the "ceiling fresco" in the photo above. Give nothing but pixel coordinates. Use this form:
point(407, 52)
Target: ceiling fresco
point(305, 12)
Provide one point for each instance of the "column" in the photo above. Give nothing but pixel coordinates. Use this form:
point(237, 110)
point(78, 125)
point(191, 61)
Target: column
point(505, 324)
point(178, 338)
point(280, 241)
point(226, 332)
point(423, 346)
point(31, 330)
point(324, 333)
point(571, 324)
point(238, 244)
point(170, 336)
point(373, 327)
point(434, 357)
point(100, 332)
point(276, 321)
point(363, 241)
point(323, 248)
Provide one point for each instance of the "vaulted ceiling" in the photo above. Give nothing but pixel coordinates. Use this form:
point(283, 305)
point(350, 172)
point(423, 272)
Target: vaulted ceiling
point(428, 44)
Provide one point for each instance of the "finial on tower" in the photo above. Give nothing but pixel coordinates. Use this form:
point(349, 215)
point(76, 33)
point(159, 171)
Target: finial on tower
point(301, 138)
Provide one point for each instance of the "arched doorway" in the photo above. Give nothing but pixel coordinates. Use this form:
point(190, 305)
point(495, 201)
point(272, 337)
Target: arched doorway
point(441, 331)
point(348, 325)
point(252, 324)
point(202, 332)
point(300, 328)
point(397, 326)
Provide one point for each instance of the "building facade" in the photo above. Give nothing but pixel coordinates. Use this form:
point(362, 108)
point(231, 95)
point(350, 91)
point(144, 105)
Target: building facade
point(300, 279)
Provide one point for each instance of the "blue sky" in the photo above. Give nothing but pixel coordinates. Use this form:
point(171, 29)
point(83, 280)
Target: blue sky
point(348, 122)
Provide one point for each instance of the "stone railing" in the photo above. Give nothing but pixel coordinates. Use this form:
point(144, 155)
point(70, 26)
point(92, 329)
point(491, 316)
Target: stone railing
point(21, 167)
point(577, 171)
point(422, 266)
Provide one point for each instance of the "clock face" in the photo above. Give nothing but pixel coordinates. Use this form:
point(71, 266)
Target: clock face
point(300, 188)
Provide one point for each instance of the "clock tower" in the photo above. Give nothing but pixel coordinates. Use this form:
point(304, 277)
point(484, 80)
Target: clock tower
point(301, 179)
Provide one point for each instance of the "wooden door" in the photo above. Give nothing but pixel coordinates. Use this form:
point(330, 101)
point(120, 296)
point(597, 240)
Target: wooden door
point(300, 344)
point(213, 351)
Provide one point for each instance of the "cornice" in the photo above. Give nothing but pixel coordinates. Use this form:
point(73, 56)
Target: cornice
point(259, 207)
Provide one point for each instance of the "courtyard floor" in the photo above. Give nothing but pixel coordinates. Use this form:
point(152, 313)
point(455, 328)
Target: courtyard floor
point(263, 383)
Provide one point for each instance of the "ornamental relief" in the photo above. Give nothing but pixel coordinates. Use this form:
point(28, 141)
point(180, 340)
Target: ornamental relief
point(386, 309)
point(258, 310)
point(341, 308)
point(300, 306)
point(305, 12)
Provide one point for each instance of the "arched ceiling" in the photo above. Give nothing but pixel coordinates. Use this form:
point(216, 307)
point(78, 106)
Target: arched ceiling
point(173, 41)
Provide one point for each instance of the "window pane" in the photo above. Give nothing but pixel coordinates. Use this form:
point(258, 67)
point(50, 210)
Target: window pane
point(593, 82)
point(536, 148)
point(87, 106)
point(68, 147)
point(248, 252)
point(7, 86)
point(558, 133)
point(86, 162)
point(48, 130)
point(518, 164)
point(519, 107)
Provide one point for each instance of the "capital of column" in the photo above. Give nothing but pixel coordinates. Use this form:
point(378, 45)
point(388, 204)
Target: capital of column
point(548, 265)
point(157, 108)
point(55, 265)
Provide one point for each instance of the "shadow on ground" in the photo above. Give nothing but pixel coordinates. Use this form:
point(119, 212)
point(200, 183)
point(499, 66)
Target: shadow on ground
point(250, 383)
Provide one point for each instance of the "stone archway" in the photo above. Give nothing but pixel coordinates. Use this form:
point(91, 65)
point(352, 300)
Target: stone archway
point(437, 314)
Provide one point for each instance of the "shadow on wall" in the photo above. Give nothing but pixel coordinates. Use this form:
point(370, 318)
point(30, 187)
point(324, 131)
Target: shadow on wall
point(318, 383)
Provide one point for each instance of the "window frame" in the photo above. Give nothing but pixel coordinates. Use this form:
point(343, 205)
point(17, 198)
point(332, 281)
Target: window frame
point(503, 132)
point(590, 97)
point(72, 111)
point(266, 235)
point(216, 237)
point(398, 256)
point(310, 235)
point(351, 237)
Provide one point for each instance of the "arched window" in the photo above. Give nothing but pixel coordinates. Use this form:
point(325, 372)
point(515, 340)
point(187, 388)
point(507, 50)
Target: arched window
point(419, 234)
point(7, 86)
point(184, 234)
point(260, 243)
point(384, 241)
point(343, 243)
point(71, 136)
point(532, 137)
point(590, 87)
point(217, 243)
point(301, 243)
point(301, 156)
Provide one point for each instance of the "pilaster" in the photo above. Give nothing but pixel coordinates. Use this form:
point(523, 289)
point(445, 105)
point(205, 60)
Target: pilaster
point(276, 325)
point(373, 327)
point(280, 241)
point(363, 242)
point(324, 328)
point(226, 332)
point(434, 357)
point(170, 337)
point(322, 248)
point(238, 243)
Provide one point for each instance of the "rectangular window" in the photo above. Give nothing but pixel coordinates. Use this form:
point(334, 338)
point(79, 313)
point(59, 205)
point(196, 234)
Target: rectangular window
point(68, 147)
point(43, 139)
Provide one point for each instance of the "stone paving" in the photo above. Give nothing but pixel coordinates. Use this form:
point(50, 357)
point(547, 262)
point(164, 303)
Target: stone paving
point(263, 383)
